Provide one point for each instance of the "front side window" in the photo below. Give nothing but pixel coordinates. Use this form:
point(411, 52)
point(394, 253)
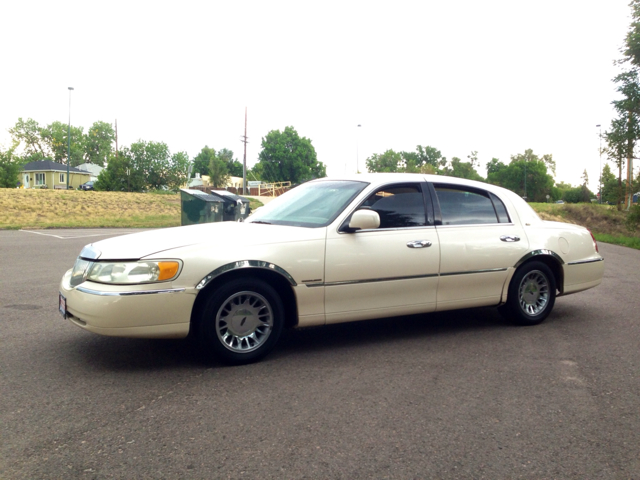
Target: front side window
point(39, 178)
point(62, 178)
point(398, 206)
point(313, 204)
point(464, 206)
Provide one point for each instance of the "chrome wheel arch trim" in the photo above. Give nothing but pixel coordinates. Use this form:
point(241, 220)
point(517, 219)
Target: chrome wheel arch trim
point(245, 264)
point(537, 253)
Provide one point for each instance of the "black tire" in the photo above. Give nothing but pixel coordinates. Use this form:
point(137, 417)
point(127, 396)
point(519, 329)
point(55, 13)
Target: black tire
point(532, 294)
point(241, 321)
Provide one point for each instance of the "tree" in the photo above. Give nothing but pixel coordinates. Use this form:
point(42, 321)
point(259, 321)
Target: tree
point(625, 129)
point(389, 161)
point(611, 193)
point(121, 174)
point(430, 156)
point(526, 175)
point(55, 136)
point(178, 169)
point(202, 160)
point(10, 166)
point(28, 134)
point(233, 166)
point(287, 156)
point(218, 172)
point(99, 143)
point(153, 159)
point(462, 169)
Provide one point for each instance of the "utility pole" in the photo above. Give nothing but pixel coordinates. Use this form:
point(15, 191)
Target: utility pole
point(69, 138)
point(628, 198)
point(600, 151)
point(244, 161)
point(116, 138)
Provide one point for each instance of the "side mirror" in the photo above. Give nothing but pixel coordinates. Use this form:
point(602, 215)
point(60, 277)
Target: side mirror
point(364, 219)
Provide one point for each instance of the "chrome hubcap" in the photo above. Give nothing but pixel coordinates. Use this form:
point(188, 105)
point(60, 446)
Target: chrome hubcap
point(244, 322)
point(533, 293)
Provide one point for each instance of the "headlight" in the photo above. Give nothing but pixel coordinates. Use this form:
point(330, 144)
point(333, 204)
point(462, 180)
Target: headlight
point(124, 273)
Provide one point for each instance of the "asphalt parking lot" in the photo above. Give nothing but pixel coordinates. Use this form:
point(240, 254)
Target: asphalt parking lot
point(452, 395)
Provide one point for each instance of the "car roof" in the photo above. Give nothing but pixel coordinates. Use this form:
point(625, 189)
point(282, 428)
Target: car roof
point(382, 178)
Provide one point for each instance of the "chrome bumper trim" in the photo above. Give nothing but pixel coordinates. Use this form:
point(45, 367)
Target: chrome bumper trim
point(128, 294)
point(592, 260)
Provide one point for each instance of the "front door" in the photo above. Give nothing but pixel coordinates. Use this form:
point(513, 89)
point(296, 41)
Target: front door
point(387, 271)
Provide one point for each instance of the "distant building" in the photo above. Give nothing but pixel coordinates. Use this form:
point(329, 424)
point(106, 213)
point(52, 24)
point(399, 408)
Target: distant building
point(49, 174)
point(93, 169)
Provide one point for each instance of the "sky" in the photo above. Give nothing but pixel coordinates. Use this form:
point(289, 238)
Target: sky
point(492, 76)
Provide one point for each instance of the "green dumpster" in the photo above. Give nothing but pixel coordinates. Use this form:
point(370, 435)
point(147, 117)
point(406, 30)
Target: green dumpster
point(236, 208)
point(199, 207)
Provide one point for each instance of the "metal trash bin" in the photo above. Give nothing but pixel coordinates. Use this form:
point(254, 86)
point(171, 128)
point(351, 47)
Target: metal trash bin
point(236, 208)
point(199, 207)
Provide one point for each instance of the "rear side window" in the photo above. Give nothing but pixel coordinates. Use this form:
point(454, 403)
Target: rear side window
point(464, 206)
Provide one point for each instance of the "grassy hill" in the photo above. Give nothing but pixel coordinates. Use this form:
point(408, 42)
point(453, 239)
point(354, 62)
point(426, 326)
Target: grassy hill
point(21, 208)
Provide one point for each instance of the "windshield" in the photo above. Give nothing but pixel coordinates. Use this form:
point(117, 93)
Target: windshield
point(313, 204)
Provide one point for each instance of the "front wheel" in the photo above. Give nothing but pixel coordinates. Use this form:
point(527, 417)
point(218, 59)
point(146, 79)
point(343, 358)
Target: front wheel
point(532, 294)
point(242, 321)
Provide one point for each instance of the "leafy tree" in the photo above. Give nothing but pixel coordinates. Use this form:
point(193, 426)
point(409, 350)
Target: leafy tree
point(10, 166)
point(430, 156)
point(462, 169)
point(631, 50)
point(233, 166)
point(55, 136)
point(153, 160)
point(218, 172)
point(611, 191)
point(287, 156)
point(389, 161)
point(178, 168)
point(625, 129)
point(28, 134)
point(539, 183)
point(495, 165)
point(99, 143)
point(202, 160)
point(121, 174)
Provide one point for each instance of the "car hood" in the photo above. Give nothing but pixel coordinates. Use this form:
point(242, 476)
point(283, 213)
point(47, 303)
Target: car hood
point(218, 235)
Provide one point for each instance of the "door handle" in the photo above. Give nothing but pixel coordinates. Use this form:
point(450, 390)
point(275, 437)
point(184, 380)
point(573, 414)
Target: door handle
point(419, 244)
point(510, 238)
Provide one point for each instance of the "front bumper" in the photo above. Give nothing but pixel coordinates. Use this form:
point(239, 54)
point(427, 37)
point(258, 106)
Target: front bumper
point(143, 311)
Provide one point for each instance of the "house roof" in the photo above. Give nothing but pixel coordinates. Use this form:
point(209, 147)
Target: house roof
point(48, 165)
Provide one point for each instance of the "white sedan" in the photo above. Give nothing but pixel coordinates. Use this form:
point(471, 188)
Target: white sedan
point(331, 251)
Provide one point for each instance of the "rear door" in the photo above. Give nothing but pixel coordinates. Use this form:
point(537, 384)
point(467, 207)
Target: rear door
point(479, 242)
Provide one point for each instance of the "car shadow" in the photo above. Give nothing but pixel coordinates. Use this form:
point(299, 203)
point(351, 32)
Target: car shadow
point(112, 353)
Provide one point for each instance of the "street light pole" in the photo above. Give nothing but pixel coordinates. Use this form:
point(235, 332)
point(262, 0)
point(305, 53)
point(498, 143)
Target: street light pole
point(69, 138)
point(600, 151)
point(358, 149)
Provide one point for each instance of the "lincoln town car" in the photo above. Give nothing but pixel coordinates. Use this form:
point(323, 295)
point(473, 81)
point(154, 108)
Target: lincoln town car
point(328, 251)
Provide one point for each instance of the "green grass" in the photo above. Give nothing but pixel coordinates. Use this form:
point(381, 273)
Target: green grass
point(631, 242)
point(606, 222)
point(20, 208)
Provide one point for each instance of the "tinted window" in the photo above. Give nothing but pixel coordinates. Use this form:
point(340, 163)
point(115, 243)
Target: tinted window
point(501, 210)
point(398, 207)
point(459, 206)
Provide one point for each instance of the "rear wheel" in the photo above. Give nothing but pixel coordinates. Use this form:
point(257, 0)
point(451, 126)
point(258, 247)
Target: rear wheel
point(241, 321)
point(532, 294)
